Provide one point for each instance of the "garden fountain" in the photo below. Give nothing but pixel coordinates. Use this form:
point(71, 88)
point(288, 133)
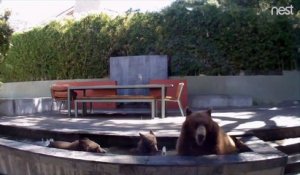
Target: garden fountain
point(20, 158)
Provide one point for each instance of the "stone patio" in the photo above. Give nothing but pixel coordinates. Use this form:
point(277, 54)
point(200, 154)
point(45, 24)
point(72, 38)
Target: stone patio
point(41, 160)
point(234, 121)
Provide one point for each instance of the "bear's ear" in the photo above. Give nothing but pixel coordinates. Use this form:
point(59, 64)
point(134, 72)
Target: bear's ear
point(188, 111)
point(208, 111)
point(151, 132)
point(142, 136)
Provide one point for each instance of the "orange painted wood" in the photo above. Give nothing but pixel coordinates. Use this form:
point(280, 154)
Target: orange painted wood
point(59, 91)
point(171, 91)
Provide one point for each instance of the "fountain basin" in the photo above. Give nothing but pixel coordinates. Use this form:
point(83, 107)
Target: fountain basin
point(18, 158)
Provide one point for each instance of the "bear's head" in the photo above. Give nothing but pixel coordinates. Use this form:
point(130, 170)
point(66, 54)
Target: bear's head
point(200, 127)
point(200, 135)
point(147, 143)
point(88, 145)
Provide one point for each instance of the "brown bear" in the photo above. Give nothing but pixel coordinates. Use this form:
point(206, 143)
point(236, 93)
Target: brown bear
point(83, 144)
point(200, 135)
point(147, 144)
point(65, 145)
point(88, 145)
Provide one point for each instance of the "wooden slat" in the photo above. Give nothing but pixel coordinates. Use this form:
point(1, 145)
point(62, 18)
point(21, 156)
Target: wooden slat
point(117, 97)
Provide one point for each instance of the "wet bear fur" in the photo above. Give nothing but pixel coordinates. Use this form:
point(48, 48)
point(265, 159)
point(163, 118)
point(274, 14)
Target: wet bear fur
point(147, 144)
point(200, 135)
point(83, 144)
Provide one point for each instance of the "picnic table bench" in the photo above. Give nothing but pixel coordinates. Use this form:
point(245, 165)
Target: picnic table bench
point(118, 98)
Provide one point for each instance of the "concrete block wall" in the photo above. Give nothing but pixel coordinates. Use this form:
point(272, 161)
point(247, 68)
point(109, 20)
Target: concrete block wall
point(271, 89)
point(131, 70)
point(32, 89)
point(207, 101)
point(263, 89)
point(23, 106)
point(7, 107)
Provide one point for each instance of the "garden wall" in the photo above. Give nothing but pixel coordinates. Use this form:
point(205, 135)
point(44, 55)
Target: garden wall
point(271, 89)
point(31, 89)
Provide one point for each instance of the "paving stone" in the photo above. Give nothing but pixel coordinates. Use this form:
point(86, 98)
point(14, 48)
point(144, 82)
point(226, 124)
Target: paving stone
point(264, 160)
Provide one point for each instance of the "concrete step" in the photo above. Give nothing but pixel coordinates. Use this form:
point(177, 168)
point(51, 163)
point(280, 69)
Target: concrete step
point(205, 101)
point(291, 147)
point(277, 133)
point(288, 146)
point(293, 165)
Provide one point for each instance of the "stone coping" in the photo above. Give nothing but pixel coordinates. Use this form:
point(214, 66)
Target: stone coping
point(262, 156)
point(19, 157)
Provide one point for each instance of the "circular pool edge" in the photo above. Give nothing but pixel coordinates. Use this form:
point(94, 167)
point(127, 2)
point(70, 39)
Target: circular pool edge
point(27, 159)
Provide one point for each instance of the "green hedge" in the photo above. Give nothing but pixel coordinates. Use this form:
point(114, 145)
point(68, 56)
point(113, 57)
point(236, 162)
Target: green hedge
point(199, 39)
point(5, 34)
point(75, 49)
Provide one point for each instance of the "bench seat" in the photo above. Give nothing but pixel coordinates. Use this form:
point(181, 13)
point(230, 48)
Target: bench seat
point(118, 98)
point(59, 91)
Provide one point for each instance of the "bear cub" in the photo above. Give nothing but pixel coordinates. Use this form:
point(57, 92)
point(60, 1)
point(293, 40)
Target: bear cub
point(147, 144)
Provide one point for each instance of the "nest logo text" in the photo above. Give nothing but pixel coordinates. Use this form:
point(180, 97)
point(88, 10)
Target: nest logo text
point(288, 10)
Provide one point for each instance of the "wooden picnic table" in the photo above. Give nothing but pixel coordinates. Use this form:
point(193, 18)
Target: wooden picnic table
point(162, 88)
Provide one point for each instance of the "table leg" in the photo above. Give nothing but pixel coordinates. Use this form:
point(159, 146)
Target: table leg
point(69, 102)
point(84, 108)
point(163, 103)
point(76, 109)
point(153, 109)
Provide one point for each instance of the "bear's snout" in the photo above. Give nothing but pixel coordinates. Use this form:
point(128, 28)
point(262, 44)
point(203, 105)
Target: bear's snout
point(200, 135)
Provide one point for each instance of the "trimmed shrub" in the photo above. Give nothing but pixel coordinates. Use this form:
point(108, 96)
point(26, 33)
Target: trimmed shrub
point(5, 34)
point(198, 38)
